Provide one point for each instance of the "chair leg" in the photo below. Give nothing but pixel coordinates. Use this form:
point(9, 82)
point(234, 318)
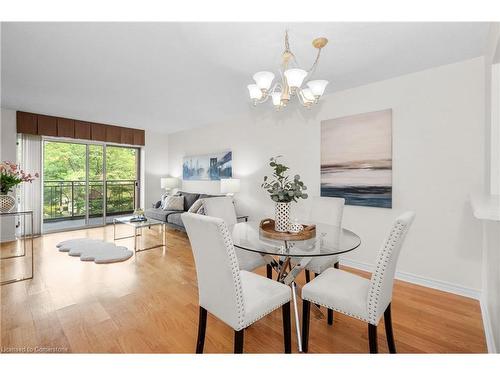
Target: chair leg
point(238, 341)
point(287, 327)
point(388, 330)
point(330, 317)
point(269, 271)
point(202, 327)
point(372, 337)
point(306, 314)
point(308, 276)
point(336, 265)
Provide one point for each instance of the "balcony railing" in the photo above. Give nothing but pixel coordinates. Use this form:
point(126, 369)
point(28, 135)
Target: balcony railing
point(65, 200)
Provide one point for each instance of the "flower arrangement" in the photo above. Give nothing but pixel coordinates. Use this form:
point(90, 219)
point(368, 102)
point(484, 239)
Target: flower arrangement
point(283, 189)
point(12, 175)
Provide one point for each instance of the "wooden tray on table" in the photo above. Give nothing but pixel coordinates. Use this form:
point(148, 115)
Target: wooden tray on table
point(266, 229)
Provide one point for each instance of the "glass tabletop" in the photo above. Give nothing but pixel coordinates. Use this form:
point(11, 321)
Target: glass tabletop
point(329, 240)
point(137, 224)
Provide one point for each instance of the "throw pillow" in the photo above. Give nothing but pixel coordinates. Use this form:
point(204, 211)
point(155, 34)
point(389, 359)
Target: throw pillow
point(195, 206)
point(162, 200)
point(201, 210)
point(174, 203)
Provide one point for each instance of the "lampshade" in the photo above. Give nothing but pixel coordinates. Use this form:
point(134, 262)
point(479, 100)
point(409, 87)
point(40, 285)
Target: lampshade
point(169, 182)
point(276, 96)
point(255, 92)
point(263, 80)
point(317, 87)
point(307, 95)
point(229, 185)
point(295, 77)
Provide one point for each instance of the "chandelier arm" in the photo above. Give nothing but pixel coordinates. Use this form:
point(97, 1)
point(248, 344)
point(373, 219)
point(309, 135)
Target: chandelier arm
point(312, 69)
point(299, 95)
point(264, 98)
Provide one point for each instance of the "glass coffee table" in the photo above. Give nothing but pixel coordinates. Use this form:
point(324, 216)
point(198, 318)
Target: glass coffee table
point(138, 229)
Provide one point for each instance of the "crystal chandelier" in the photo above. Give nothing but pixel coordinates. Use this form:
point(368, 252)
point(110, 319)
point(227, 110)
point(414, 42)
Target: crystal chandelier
point(290, 82)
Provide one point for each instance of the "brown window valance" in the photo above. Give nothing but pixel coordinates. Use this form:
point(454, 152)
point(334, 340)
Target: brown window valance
point(32, 123)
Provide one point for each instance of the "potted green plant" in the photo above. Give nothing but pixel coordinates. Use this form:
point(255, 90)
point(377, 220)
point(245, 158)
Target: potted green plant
point(283, 190)
point(11, 176)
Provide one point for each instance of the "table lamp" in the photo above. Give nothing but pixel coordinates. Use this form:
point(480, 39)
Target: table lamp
point(229, 186)
point(169, 183)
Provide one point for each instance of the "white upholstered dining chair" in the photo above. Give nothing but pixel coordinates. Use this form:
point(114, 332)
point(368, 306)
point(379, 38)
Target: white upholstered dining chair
point(355, 296)
point(223, 208)
point(237, 297)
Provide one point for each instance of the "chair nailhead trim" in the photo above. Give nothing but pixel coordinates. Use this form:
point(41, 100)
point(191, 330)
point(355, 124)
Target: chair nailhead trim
point(235, 269)
point(267, 312)
point(338, 310)
point(394, 239)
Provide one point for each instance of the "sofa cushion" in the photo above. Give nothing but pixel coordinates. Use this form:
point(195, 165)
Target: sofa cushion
point(158, 213)
point(175, 219)
point(189, 199)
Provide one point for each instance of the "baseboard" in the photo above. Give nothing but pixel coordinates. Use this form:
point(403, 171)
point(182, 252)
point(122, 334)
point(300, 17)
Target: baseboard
point(488, 331)
point(419, 280)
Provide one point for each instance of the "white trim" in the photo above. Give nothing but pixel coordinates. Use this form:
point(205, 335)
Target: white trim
point(488, 330)
point(419, 280)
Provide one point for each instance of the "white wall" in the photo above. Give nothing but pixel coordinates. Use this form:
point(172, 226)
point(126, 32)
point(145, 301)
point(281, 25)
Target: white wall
point(7, 153)
point(155, 166)
point(438, 148)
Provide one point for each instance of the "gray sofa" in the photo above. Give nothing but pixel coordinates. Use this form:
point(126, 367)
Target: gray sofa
point(173, 218)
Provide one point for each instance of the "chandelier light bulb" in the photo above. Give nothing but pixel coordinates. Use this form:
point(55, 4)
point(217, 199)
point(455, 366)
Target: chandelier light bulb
point(263, 80)
point(307, 95)
point(255, 92)
point(276, 96)
point(295, 77)
point(317, 87)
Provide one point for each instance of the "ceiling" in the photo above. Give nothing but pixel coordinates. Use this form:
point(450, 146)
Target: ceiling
point(173, 76)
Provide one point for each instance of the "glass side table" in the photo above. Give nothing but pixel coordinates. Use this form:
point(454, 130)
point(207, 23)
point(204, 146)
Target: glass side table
point(28, 215)
point(138, 226)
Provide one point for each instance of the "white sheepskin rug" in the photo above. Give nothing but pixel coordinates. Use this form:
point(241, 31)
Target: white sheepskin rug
point(97, 250)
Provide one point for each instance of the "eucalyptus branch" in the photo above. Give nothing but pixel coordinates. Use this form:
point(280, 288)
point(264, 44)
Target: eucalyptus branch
point(281, 188)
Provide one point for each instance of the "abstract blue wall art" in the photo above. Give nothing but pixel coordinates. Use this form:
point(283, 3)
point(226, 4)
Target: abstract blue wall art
point(208, 167)
point(356, 159)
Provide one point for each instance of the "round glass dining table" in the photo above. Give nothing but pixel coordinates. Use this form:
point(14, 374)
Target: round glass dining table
point(289, 258)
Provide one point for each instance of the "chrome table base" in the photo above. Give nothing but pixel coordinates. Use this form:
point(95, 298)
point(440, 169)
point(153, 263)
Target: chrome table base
point(287, 273)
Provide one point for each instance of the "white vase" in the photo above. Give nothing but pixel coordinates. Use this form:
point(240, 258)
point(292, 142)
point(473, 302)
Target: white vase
point(7, 203)
point(282, 217)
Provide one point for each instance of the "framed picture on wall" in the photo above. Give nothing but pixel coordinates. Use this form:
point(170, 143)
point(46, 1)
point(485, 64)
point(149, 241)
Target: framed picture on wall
point(356, 159)
point(208, 167)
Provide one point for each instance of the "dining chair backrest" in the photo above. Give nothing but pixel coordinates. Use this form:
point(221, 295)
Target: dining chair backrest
point(221, 207)
point(382, 280)
point(327, 210)
point(217, 270)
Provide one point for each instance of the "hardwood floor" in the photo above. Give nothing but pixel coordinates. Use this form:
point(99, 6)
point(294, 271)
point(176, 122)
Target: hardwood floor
point(149, 304)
